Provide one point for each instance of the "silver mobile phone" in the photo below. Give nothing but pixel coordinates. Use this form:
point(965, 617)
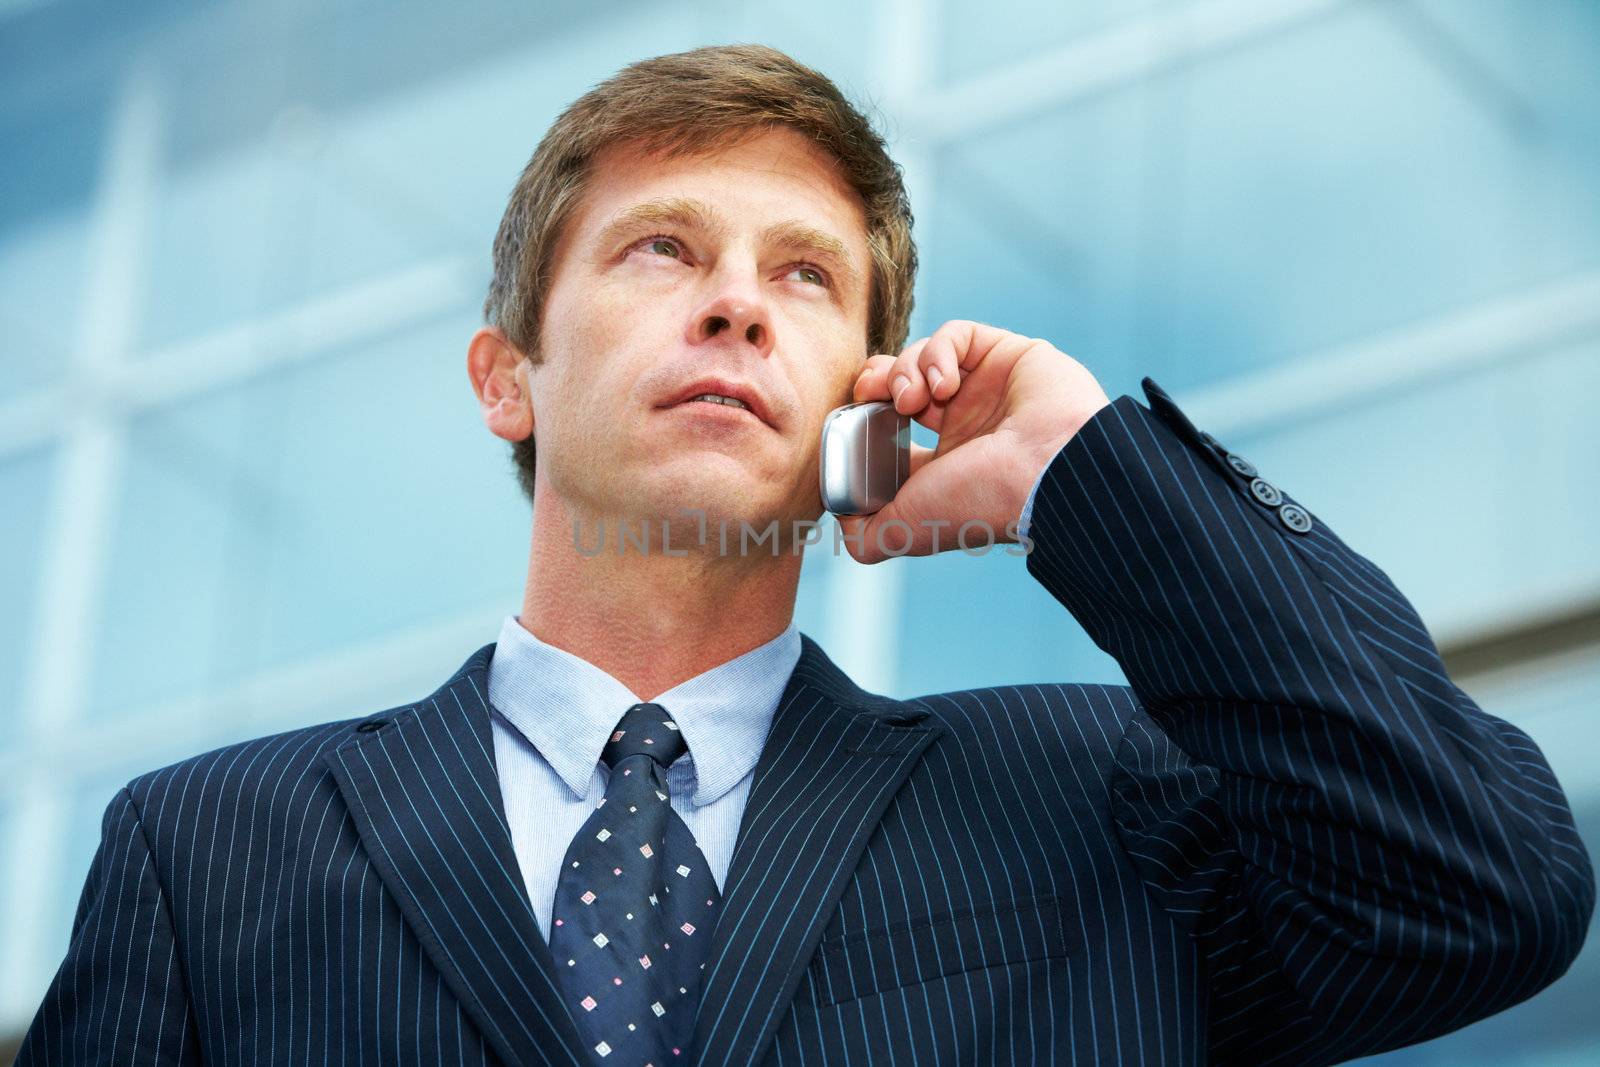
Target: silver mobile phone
point(866, 457)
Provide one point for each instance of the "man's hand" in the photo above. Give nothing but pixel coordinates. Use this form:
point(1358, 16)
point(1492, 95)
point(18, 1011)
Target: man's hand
point(1002, 405)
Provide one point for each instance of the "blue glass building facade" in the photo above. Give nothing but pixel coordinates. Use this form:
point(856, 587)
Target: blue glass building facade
point(245, 486)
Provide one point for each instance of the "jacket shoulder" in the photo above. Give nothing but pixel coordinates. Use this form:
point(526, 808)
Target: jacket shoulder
point(222, 774)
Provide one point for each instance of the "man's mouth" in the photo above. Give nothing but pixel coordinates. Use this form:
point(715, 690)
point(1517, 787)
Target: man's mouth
point(723, 412)
point(713, 398)
point(736, 399)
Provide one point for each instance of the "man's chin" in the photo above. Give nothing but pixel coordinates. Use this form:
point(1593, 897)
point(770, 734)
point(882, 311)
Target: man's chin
point(702, 496)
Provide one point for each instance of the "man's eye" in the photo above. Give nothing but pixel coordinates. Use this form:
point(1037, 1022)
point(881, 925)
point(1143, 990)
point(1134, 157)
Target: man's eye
point(811, 274)
point(665, 246)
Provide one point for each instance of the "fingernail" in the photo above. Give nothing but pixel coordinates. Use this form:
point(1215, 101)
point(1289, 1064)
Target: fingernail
point(934, 378)
point(898, 386)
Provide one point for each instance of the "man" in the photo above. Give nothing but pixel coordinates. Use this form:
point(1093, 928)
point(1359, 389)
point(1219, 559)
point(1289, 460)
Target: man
point(653, 823)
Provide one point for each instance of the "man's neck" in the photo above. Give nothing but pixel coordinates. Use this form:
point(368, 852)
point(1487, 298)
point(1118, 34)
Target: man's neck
point(652, 619)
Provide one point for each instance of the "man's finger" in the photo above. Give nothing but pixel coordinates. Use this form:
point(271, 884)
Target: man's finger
point(907, 384)
point(902, 538)
point(873, 381)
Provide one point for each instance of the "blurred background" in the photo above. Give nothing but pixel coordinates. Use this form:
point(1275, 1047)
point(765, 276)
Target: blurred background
point(244, 484)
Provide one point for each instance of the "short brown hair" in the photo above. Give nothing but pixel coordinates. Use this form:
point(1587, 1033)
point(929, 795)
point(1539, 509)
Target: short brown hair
point(681, 104)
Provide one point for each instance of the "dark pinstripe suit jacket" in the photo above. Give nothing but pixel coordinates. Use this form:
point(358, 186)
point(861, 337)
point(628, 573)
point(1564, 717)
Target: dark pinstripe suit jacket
point(1292, 840)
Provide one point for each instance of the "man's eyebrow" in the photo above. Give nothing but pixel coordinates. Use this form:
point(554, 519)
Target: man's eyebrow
point(695, 214)
point(662, 211)
point(823, 246)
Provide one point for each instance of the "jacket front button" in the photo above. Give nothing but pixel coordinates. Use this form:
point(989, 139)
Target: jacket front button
point(1295, 517)
point(1242, 465)
point(1265, 492)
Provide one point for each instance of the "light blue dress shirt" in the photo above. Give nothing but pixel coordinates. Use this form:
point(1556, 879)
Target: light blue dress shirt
point(1027, 508)
point(557, 710)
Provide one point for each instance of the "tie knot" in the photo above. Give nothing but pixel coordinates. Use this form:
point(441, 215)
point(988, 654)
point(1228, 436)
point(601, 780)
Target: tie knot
point(647, 729)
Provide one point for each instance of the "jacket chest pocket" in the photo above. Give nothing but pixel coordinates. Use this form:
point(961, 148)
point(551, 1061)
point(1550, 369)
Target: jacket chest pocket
point(861, 964)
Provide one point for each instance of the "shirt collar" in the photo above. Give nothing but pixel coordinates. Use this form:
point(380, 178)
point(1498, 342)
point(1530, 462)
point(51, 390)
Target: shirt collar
point(566, 707)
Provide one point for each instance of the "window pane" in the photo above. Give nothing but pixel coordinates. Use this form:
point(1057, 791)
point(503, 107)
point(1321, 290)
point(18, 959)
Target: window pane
point(25, 481)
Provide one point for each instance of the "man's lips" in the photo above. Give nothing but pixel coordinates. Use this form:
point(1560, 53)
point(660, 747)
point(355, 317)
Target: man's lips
point(754, 404)
point(712, 407)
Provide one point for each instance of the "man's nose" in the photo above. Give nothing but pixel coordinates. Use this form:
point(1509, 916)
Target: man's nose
point(736, 312)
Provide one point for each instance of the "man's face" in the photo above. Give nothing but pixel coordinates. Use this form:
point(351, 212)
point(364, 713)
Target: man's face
point(747, 264)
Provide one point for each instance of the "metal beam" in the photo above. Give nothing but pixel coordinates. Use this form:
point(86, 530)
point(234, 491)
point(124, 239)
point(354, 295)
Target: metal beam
point(238, 353)
point(1514, 643)
point(76, 535)
point(1099, 62)
point(1328, 382)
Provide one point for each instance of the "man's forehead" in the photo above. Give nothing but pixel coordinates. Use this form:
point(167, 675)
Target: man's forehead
point(624, 163)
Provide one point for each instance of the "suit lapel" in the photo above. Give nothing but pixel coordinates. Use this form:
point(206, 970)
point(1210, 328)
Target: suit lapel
point(427, 804)
point(834, 758)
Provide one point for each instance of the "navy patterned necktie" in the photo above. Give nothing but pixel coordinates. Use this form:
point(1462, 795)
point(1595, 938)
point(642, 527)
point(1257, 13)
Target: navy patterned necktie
point(635, 905)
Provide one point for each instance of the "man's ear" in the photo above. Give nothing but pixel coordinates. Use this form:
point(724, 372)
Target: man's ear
point(498, 372)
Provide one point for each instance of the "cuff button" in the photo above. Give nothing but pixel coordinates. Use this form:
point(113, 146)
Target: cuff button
point(1265, 492)
point(1242, 465)
point(1295, 517)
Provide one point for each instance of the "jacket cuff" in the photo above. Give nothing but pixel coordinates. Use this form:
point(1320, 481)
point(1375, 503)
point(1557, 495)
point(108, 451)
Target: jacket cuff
point(1143, 525)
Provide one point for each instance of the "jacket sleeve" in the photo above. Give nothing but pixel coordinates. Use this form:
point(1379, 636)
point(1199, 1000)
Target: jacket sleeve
point(119, 996)
point(1366, 857)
